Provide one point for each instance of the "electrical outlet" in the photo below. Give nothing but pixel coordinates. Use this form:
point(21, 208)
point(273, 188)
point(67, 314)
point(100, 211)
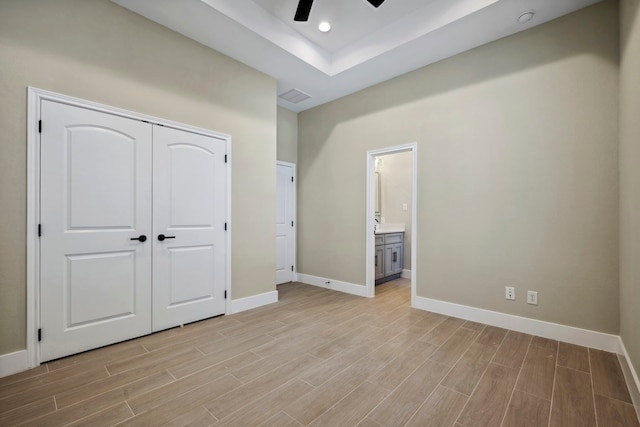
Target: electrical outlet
point(532, 297)
point(510, 292)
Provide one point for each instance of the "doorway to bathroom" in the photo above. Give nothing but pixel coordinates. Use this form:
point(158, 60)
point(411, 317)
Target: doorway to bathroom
point(391, 216)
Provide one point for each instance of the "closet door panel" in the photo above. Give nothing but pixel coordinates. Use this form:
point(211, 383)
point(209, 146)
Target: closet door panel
point(95, 282)
point(189, 209)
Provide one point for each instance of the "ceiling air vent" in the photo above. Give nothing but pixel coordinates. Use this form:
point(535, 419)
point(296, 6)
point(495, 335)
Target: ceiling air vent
point(294, 96)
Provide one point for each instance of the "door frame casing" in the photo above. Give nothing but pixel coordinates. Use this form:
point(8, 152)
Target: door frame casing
point(370, 215)
point(35, 97)
point(294, 276)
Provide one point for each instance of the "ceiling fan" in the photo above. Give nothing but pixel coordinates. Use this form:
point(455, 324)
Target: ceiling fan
point(304, 8)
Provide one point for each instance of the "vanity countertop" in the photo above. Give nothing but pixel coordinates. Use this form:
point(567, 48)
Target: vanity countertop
point(389, 228)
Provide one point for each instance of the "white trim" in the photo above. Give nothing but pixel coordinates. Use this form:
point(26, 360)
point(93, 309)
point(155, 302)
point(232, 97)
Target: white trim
point(569, 334)
point(229, 230)
point(294, 275)
point(370, 216)
point(335, 285)
point(41, 94)
point(630, 375)
point(12, 363)
point(33, 219)
point(35, 97)
point(406, 274)
point(254, 301)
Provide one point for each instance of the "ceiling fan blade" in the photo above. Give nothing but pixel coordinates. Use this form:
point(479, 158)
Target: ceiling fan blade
point(375, 3)
point(304, 8)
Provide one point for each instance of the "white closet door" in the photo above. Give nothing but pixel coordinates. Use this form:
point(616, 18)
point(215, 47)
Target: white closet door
point(95, 284)
point(284, 224)
point(189, 186)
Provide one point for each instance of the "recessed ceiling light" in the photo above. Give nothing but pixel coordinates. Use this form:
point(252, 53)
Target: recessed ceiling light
point(526, 16)
point(324, 27)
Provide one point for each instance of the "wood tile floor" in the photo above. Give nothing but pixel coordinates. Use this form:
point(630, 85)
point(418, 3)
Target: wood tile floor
point(323, 358)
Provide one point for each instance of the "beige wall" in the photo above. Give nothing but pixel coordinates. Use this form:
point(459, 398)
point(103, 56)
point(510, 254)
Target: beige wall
point(396, 173)
point(630, 178)
point(517, 173)
point(287, 135)
point(99, 51)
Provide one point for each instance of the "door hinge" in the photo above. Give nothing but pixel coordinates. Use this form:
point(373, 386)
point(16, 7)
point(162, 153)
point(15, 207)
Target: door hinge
point(39, 126)
point(292, 223)
point(225, 158)
point(292, 268)
point(291, 179)
point(225, 226)
point(225, 294)
point(39, 230)
point(39, 334)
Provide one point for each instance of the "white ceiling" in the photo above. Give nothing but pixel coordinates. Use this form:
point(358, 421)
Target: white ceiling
point(365, 45)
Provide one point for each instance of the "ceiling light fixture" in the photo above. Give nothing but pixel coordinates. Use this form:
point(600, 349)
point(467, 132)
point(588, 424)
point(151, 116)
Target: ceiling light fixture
point(324, 27)
point(526, 16)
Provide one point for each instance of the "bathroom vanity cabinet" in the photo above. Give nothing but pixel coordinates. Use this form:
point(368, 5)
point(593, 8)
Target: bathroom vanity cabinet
point(389, 256)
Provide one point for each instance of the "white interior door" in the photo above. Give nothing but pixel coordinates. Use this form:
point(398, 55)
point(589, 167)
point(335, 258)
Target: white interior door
point(285, 237)
point(95, 285)
point(189, 214)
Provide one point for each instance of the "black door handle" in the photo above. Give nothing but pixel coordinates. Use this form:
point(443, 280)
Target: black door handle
point(161, 237)
point(141, 238)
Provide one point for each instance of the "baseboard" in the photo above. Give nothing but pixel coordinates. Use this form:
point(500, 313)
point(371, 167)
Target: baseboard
point(406, 274)
point(254, 301)
point(630, 375)
point(336, 285)
point(570, 334)
point(12, 363)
